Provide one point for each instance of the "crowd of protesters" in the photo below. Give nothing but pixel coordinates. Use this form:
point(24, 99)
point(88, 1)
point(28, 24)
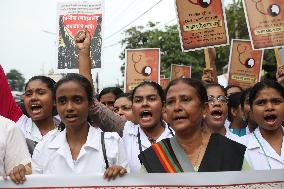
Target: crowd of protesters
point(191, 126)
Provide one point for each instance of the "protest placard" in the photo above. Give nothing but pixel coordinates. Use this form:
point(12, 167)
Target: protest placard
point(141, 65)
point(245, 64)
point(180, 71)
point(74, 17)
point(265, 20)
point(272, 179)
point(202, 24)
point(164, 82)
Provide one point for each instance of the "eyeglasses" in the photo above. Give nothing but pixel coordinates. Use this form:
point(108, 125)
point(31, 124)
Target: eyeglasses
point(221, 99)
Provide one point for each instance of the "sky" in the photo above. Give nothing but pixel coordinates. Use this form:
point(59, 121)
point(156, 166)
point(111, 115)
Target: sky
point(28, 34)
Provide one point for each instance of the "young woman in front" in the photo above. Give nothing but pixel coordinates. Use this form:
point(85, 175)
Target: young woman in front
point(192, 148)
point(80, 147)
point(265, 146)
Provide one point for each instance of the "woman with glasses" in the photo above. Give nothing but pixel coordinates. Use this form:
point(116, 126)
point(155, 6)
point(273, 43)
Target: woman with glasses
point(217, 111)
point(192, 148)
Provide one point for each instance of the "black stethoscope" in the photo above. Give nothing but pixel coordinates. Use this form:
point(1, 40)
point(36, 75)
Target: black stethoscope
point(273, 9)
point(201, 3)
point(139, 138)
point(250, 62)
point(146, 70)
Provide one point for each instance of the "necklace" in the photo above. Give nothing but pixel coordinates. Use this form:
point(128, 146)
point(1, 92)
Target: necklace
point(196, 164)
point(262, 150)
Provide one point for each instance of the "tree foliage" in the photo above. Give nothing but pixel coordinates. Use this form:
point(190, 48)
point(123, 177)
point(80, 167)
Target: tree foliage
point(167, 39)
point(15, 80)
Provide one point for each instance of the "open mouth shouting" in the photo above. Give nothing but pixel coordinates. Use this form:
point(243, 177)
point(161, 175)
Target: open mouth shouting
point(146, 115)
point(270, 119)
point(217, 115)
point(36, 108)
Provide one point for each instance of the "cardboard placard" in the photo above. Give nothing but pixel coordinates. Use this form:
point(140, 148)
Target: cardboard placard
point(72, 18)
point(164, 82)
point(265, 20)
point(245, 64)
point(178, 71)
point(202, 23)
point(141, 65)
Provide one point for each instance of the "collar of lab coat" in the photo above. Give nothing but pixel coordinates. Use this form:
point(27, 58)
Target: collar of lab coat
point(253, 144)
point(93, 139)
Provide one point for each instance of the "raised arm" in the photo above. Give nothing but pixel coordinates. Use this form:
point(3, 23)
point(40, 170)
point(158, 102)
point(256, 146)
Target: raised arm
point(101, 116)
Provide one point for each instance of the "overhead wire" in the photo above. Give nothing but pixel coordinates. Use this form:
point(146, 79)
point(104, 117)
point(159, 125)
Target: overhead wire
point(145, 12)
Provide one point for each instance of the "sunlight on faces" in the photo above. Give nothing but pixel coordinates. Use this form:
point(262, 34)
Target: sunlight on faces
point(123, 107)
point(216, 112)
point(38, 100)
point(147, 106)
point(183, 107)
point(268, 109)
point(72, 104)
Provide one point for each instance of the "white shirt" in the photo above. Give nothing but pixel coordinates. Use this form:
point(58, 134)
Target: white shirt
point(256, 157)
point(53, 156)
point(31, 131)
point(131, 144)
point(13, 147)
point(231, 135)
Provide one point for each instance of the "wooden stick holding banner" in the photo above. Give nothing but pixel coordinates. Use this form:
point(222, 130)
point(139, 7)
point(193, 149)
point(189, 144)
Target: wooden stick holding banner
point(278, 57)
point(210, 56)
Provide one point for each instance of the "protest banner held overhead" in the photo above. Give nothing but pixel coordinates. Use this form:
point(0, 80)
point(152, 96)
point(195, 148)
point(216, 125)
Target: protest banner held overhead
point(74, 17)
point(265, 20)
point(245, 64)
point(202, 24)
point(180, 71)
point(141, 65)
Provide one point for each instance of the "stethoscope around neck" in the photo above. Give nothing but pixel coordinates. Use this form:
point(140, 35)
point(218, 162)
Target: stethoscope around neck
point(139, 137)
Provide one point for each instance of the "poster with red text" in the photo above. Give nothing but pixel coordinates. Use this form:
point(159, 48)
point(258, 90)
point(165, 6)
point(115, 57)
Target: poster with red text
point(180, 71)
point(74, 17)
point(202, 24)
point(265, 20)
point(141, 65)
point(245, 64)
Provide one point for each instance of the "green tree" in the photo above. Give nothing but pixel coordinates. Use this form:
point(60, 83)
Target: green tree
point(15, 80)
point(168, 41)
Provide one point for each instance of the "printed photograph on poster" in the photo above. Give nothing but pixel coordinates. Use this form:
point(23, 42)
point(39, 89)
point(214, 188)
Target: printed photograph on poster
point(265, 21)
point(74, 17)
point(202, 24)
point(141, 65)
point(178, 71)
point(245, 64)
point(164, 82)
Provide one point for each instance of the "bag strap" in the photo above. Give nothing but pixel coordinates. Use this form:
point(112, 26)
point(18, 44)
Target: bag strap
point(104, 149)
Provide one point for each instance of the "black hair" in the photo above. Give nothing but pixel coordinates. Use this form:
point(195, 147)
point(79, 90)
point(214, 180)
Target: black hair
point(47, 80)
point(84, 82)
point(125, 95)
point(50, 84)
point(264, 84)
point(153, 84)
point(233, 102)
point(216, 85)
point(196, 84)
point(114, 90)
point(244, 95)
point(232, 86)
